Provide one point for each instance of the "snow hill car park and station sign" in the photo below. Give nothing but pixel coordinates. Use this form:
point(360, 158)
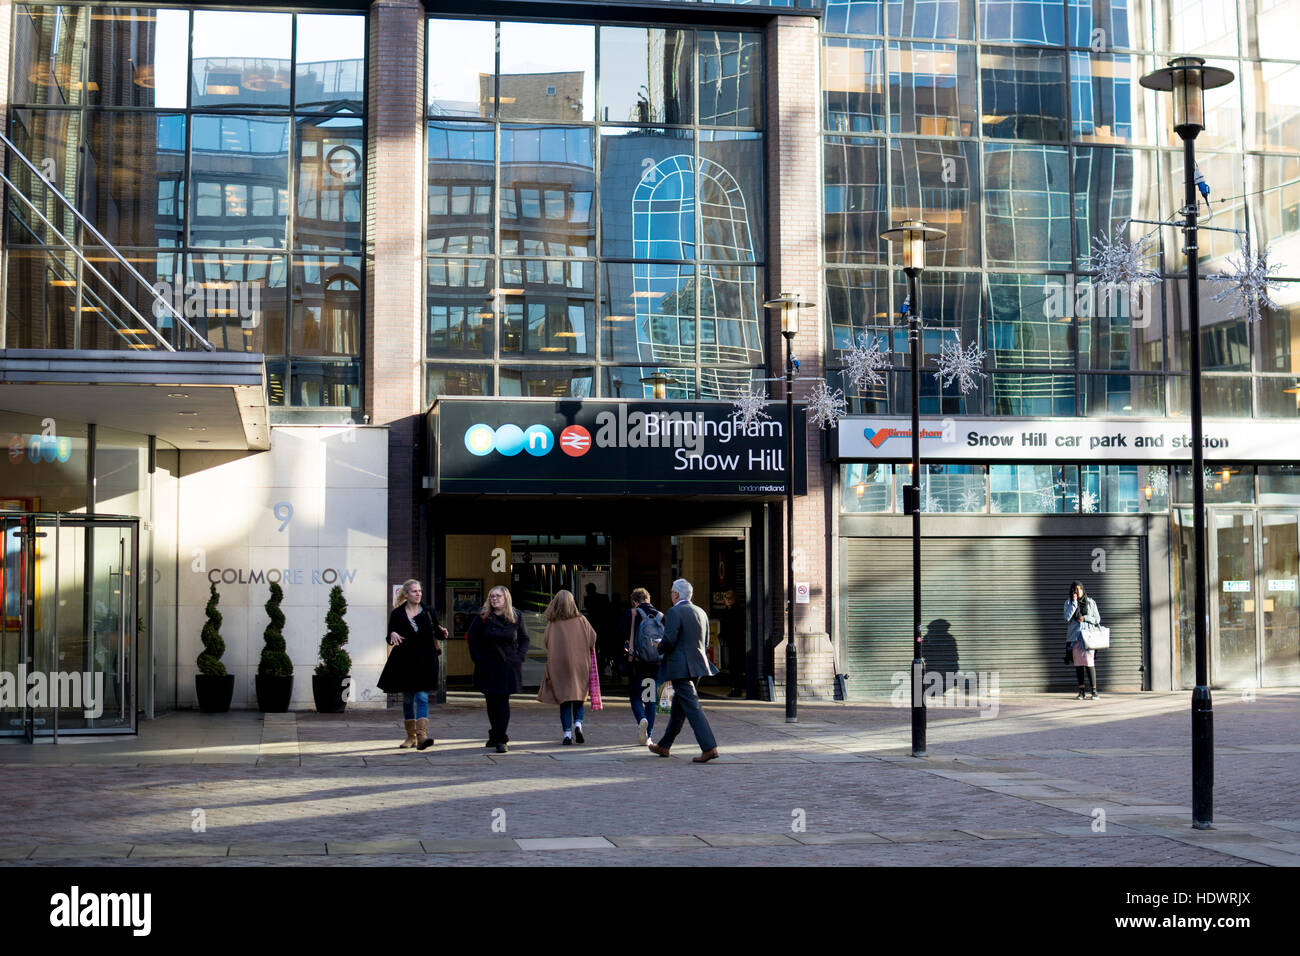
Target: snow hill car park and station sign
point(1046, 439)
point(544, 446)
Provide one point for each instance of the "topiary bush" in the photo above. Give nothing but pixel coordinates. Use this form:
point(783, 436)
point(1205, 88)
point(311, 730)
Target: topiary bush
point(275, 662)
point(334, 660)
point(213, 646)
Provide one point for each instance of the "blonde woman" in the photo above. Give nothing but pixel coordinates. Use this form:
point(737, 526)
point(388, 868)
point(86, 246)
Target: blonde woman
point(412, 668)
point(569, 641)
point(498, 643)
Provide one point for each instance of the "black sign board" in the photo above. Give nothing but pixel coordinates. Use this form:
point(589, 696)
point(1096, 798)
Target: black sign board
point(589, 447)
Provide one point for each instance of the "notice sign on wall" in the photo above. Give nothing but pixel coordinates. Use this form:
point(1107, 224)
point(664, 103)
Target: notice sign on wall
point(1057, 439)
point(572, 446)
point(1232, 586)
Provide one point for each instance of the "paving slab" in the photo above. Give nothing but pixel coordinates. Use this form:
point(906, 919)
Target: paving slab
point(665, 842)
point(565, 843)
point(837, 839)
point(458, 845)
point(928, 836)
point(177, 850)
point(1013, 834)
point(340, 848)
point(80, 851)
point(277, 849)
point(746, 839)
point(16, 852)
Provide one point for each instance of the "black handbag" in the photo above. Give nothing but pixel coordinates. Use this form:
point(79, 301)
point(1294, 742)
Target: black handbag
point(1069, 658)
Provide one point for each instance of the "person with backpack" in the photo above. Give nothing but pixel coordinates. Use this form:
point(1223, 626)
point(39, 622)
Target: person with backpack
point(642, 627)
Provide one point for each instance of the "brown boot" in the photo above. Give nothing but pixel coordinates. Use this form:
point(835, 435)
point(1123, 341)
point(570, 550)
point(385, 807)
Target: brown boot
point(422, 734)
point(410, 736)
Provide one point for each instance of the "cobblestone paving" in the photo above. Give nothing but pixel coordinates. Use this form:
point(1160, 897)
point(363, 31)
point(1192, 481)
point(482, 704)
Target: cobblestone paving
point(1022, 788)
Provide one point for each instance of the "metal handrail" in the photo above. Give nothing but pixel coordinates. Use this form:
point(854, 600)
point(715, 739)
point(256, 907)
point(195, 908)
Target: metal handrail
point(108, 246)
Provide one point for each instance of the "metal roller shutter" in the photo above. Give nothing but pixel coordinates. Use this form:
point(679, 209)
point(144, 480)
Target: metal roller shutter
point(988, 604)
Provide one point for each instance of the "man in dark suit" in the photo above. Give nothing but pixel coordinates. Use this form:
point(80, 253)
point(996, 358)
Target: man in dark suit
point(685, 658)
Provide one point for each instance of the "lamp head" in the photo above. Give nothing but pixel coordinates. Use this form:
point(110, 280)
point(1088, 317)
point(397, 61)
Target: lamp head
point(789, 303)
point(913, 234)
point(1187, 77)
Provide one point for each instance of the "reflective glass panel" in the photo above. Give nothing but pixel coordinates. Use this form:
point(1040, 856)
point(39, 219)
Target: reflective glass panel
point(331, 62)
point(1034, 489)
point(1196, 27)
point(1110, 489)
point(1023, 332)
point(238, 300)
point(1277, 209)
point(932, 89)
point(951, 307)
point(1225, 330)
point(1032, 395)
point(853, 94)
point(326, 304)
point(461, 308)
point(1112, 186)
point(1279, 396)
point(239, 181)
point(1222, 396)
point(629, 382)
point(326, 384)
point(134, 186)
point(857, 304)
point(138, 57)
point(865, 487)
point(1223, 175)
point(730, 79)
point(1273, 105)
point(731, 327)
point(1277, 24)
point(648, 313)
point(461, 175)
point(1119, 327)
point(546, 381)
point(938, 181)
point(730, 186)
point(854, 199)
point(331, 164)
point(47, 66)
point(547, 72)
point(937, 19)
point(547, 308)
point(647, 193)
point(1027, 207)
point(107, 323)
point(462, 74)
point(946, 488)
point(1109, 24)
point(854, 16)
point(1023, 21)
point(547, 187)
point(645, 75)
point(1279, 332)
point(49, 139)
point(1239, 489)
point(456, 380)
point(1119, 395)
point(1023, 93)
point(241, 58)
point(1109, 104)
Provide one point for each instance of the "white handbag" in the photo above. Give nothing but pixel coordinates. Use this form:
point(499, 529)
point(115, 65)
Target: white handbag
point(1095, 637)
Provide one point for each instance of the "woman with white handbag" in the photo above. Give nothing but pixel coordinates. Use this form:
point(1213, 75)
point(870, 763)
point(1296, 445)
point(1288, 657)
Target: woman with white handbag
point(1081, 612)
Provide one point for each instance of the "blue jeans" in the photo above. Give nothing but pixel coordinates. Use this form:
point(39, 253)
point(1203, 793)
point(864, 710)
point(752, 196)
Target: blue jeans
point(641, 708)
point(570, 711)
point(415, 706)
point(686, 707)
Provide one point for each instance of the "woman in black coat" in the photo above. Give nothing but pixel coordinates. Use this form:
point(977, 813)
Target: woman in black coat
point(498, 643)
point(412, 668)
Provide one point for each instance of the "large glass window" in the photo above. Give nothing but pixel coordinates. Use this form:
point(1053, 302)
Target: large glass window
point(620, 183)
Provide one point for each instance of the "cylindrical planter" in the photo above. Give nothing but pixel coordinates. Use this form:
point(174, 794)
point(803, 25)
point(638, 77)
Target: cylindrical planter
point(273, 693)
point(328, 692)
point(214, 692)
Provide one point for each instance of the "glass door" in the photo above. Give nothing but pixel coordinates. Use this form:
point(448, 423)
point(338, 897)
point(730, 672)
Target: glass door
point(1233, 647)
point(1280, 578)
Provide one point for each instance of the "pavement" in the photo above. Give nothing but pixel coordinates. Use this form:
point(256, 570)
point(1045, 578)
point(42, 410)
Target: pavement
point(1041, 780)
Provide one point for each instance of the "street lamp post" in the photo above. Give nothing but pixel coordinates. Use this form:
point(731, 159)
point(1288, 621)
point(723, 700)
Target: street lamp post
point(914, 234)
point(789, 303)
point(1188, 78)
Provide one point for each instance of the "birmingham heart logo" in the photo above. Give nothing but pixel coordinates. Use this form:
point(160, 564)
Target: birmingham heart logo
point(877, 438)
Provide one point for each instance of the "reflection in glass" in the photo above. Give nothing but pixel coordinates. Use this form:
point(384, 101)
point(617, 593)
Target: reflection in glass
point(1025, 329)
point(1034, 489)
point(460, 188)
point(1023, 21)
point(1239, 489)
point(326, 303)
point(1023, 93)
point(326, 384)
point(646, 76)
point(1222, 396)
point(239, 181)
point(853, 95)
point(1279, 333)
point(1107, 97)
point(1197, 27)
point(627, 382)
point(238, 301)
point(107, 323)
point(330, 168)
point(854, 199)
point(945, 488)
point(1032, 396)
point(731, 330)
point(241, 59)
point(1110, 187)
point(138, 57)
point(938, 181)
point(1276, 211)
point(330, 62)
point(546, 381)
point(1223, 174)
point(865, 487)
point(546, 72)
point(1273, 105)
point(134, 186)
point(1120, 395)
point(461, 73)
point(461, 308)
point(932, 89)
point(49, 139)
point(1116, 330)
point(647, 193)
point(936, 19)
point(952, 305)
point(547, 185)
point(854, 16)
point(42, 300)
point(1279, 396)
point(1277, 23)
point(456, 380)
point(47, 61)
point(649, 313)
point(730, 78)
point(730, 195)
point(1027, 206)
point(1225, 330)
point(1112, 24)
point(1112, 489)
point(547, 308)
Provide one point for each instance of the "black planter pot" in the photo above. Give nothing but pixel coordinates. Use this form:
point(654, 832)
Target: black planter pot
point(214, 692)
point(273, 693)
point(328, 692)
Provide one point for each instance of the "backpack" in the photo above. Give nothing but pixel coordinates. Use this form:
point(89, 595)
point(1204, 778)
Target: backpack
point(648, 634)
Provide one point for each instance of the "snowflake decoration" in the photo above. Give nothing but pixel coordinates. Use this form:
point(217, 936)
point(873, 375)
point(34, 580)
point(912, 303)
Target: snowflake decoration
point(864, 365)
point(931, 505)
point(1088, 502)
point(1208, 478)
point(1248, 283)
point(972, 500)
point(826, 407)
point(749, 404)
point(963, 365)
point(1158, 479)
point(1047, 498)
point(995, 507)
point(1122, 262)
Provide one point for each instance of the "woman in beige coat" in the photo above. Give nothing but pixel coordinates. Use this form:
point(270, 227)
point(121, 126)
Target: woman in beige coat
point(569, 641)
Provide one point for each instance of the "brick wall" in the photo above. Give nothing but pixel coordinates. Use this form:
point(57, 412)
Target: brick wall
point(395, 177)
point(794, 255)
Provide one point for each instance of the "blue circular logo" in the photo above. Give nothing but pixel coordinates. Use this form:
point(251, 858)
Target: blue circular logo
point(479, 439)
point(510, 440)
point(538, 440)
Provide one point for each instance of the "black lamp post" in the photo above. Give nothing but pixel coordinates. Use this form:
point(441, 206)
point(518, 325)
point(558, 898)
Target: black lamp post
point(1188, 78)
point(789, 303)
point(914, 234)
